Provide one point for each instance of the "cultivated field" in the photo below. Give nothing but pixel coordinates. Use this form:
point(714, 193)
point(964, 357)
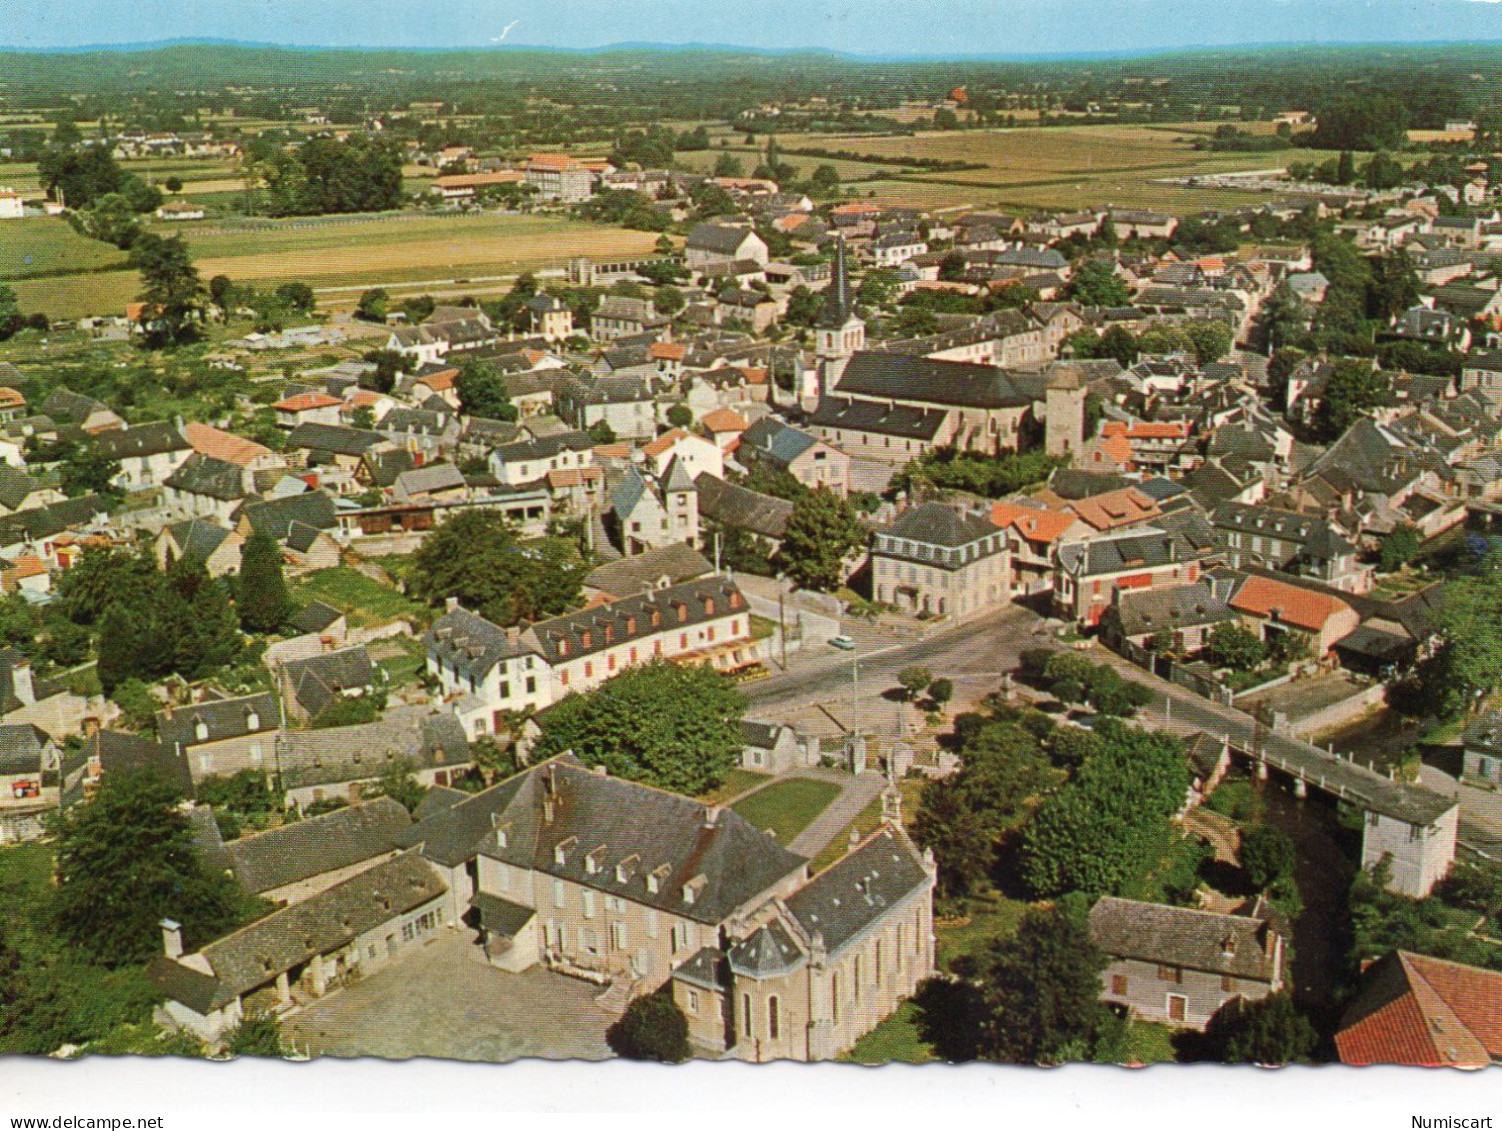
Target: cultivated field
point(47, 245)
point(326, 252)
point(1057, 167)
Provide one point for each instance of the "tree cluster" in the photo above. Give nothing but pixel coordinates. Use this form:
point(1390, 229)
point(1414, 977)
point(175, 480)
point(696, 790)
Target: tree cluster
point(477, 557)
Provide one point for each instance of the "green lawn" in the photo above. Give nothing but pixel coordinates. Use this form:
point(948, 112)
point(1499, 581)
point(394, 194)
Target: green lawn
point(407, 665)
point(994, 918)
point(736, 783)
point(895, 1039)
point(365, 601)
point(866, 821)
point(48, 245)
point(787, 807)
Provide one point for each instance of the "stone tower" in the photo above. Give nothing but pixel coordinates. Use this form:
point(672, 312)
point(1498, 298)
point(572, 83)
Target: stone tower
point(1064, 410)
point(839, 331)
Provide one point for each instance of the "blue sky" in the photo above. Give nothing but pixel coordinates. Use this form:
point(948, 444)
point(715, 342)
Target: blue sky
point(870, 27)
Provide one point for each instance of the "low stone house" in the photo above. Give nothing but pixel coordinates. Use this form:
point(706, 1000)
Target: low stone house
point(313, 685)
point(341, 762)
point(221, 737)
point(217, 547)
point(1180, 966)
point(300, 952)
point(772, 748)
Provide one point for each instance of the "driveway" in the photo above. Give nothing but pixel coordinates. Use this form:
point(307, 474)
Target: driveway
point(440, 1002)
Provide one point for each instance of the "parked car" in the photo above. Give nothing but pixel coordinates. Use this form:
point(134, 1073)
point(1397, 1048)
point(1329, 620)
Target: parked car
point(842, 642)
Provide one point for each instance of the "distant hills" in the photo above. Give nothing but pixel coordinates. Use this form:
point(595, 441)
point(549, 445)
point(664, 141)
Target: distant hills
point(893, 29)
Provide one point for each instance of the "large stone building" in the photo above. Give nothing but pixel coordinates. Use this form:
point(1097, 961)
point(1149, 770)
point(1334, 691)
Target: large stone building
point(488, 672)
point(937, 561)
point(628, 886)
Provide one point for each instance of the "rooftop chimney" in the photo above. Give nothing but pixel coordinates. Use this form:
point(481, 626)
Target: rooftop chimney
point(513, 634)
point(451, 603)
point(711, 816)
point(172, 938)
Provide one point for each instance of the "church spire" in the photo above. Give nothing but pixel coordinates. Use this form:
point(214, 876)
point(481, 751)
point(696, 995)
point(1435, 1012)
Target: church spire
point(839, 304)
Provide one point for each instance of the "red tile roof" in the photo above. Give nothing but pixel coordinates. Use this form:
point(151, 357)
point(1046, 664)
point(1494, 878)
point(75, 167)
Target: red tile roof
point(1033, 523)
point(305, 401)
point(1112, 509)
point(1425, 1011)
point(1302, 608)
point(725, 420)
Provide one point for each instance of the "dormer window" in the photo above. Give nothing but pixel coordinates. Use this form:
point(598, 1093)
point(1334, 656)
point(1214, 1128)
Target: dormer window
point(656, 617)
point(735, 599)
point(626, 869)
point(709, 606)
point(655, 878)
point(201, 731)
point(252, 720)
point(592, 859)
point(563, 647)
point(609, 633)
point(692, 889)
point(563, 848)
point(586, 638)
point(631, 626)
point(682, 613)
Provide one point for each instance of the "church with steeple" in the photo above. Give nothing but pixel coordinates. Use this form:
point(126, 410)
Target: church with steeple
point(838, 331)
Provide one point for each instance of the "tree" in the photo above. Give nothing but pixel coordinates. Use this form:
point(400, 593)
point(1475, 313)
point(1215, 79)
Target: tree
point(1267, 856)
point(652, 1028)
point(940, 692)
point(373, 305)
point(220, 291)
point(1270, 1030)
point(1470, 622)
point(824, 181)
point(914, 681)
point(89, 471)
point(601, 432)
point(298, 297)
point(173, 295)
point(1112, 821)
point(879, 287)
point(398, 784)
point(174, 184)
point(1232, 645)
point(126, 860)
point(482, 391)
point(822, 532)
point(262, 600)
point(671, 726)
point(1211, 341)
point(1096, 283)
point(803, 306)
point(112, 219)
point(729, 165)
point(477, 558)
point(258, 1034)
point(1345, 168)
point(1041, 990)
point(680, 415)
point(1354, 387)
point(1398, 548)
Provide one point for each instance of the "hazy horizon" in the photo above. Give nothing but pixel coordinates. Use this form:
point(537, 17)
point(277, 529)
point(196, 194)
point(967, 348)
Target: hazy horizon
point(896, 29)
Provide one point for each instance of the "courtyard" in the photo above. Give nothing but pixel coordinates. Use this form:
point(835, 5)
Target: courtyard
point(439, 1001)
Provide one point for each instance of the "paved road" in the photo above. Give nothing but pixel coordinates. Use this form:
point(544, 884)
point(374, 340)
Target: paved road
point(981, 648)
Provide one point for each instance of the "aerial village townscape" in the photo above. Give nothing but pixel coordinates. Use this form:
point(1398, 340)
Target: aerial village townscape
point(751, 557)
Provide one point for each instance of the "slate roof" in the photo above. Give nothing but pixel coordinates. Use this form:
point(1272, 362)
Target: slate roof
point(957, 384)
point(1184, 937)
point(197, 538)
point(143, 440)
point(332, 439)
point(935, 524)
point(839, 299)
point(253, 956)
point(1414, 1009)
point(558, 817)
point(336, 755)
point(1485, 733)
point(471, 644)
point(544, 447)
point(1142, 548)
point(905, 422)
point(767, 953)
point(16, 486)
point(315, 616)
point(21, 746)
point(845, 899)
point(277, 516)
point(1171, 607)
point(119, 752)
point(678, 562)
point(730, 504)
point(318, 682)
point(501, 916)
point(315, 845)
point(44, 522)
point(778, 442)
point(213, 478)
point(426, 480)
point(225, 718)
point(708, 968)
point(722, 239)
